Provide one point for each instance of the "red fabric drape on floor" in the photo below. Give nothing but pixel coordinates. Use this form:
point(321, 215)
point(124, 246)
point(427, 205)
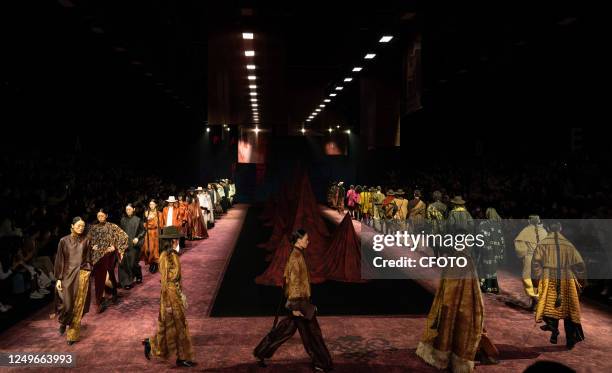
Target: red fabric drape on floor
point(273, 275)
point(343, 259)
point(338, 259)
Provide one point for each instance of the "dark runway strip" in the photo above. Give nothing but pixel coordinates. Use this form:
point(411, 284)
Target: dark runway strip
point(239, 295)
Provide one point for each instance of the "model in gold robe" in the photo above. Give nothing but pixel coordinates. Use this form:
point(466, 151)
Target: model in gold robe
point(560, 271)
point(172, 337)
point(455, 322)
point(525, 244)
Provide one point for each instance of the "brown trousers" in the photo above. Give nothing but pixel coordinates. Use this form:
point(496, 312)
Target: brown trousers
point(311, 335)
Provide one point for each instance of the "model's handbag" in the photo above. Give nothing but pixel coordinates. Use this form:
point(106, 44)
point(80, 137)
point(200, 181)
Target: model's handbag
point(304, 306)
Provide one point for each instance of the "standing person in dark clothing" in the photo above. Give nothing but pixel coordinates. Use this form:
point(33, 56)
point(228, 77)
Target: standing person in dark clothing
point(129, 269)
point(72, 269)
point(491, 255)
point(302, 316)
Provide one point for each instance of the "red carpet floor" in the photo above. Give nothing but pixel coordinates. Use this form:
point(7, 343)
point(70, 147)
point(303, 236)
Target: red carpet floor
point(111, 341)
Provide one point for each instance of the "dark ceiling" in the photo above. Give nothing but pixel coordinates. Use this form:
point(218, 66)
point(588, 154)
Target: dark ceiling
point(158, 54)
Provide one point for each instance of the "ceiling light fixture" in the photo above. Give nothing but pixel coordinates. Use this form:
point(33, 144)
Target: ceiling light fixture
point(247, 35)
point(349, 79)
point(327, 100)
point(249, 53)
point(332, 95)
point(250, 67)
point(253, 86)
point(339, 88)
point(385, 39)
point(369, 56)
point(357, 69)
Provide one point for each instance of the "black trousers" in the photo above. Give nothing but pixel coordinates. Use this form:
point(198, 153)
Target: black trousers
point(129, 267)
point(312, 339)
point(573, 331)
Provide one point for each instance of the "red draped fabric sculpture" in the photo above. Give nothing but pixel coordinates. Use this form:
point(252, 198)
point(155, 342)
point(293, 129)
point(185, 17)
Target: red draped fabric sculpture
point(297, 207)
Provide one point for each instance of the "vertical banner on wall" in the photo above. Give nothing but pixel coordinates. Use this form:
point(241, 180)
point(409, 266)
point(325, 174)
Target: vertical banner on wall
point(252, 146)
point(412, 71)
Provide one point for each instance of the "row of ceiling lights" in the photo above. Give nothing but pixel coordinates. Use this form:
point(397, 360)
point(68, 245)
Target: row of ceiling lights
point(338, 88)
point(249, 53)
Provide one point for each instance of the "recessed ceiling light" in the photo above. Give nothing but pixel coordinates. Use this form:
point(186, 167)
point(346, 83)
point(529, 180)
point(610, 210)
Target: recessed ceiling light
point(303, 130)
point(247, 35)
point(253, 93)
point(249, 53)
point(253, 100)
point(386, 39)
point(332, 95)
point(321, 105)
point(253, 86)
point(339, 88)
point(254, 105)
point(250, 67)
point(252, 77)
point(318, 110)
point(327, 100)
point(349, 79)
point(330, 129)
point(357, 69)
point(369, 56)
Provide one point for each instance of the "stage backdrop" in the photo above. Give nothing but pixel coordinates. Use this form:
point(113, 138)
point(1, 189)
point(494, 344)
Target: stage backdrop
point(252, 146)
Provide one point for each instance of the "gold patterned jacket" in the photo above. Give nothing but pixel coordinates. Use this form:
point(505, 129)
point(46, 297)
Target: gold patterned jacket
point(297, 277)
point(104, 235)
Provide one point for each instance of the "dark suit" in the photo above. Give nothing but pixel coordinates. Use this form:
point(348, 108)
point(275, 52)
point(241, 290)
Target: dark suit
point(129, 267)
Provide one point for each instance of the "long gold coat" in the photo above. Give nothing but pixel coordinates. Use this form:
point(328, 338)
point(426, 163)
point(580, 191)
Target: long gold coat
point(455, 322)
point(172, 336)
point(573, 271)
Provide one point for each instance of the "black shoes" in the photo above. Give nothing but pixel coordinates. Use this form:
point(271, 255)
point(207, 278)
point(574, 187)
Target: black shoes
point(62, 329)
point(153, 268)
point(185, 363)
point(553, 337)
point(147, 348)
point(103, 306)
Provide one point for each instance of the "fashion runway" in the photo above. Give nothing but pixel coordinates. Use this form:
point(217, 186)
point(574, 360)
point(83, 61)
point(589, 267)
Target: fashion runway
point(111, 341)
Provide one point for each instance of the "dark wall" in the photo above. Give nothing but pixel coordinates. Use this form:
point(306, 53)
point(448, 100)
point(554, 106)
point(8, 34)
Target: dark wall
point(62, 82)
